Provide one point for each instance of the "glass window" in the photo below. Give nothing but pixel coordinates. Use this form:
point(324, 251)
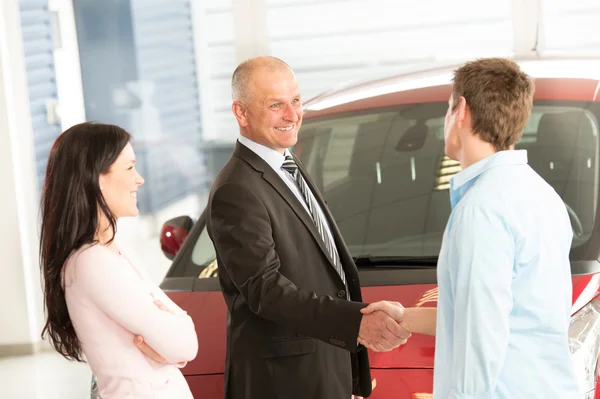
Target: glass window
point(204, 251)
point(385, 176)
point(138, 70)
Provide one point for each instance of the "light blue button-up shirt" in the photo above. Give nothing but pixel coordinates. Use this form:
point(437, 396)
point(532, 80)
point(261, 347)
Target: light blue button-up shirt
point(504, 287)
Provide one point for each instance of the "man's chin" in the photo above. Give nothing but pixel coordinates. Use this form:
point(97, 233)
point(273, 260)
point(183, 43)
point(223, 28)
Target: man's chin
point(290, 141)
point(451, 154)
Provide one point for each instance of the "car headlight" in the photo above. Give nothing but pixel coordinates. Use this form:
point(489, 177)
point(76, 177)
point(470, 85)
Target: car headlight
point(584, 343)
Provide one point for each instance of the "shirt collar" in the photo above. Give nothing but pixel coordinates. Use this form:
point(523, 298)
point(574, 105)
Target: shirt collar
point(272, 157)
point(462, 181)
point(508, 157)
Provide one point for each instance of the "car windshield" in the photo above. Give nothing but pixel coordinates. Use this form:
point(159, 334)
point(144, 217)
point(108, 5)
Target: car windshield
point(385, 177)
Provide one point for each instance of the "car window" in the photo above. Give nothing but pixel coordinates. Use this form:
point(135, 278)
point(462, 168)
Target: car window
point(204, 251)
point(385, 176)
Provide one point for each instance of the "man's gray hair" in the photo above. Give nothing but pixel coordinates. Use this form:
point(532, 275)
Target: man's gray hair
point(242, 76)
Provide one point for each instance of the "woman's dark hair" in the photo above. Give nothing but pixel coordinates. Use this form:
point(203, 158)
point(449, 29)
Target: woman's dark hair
point(71, 200)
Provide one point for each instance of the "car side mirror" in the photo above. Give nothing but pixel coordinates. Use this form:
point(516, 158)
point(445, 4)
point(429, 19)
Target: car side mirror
point(173, 234)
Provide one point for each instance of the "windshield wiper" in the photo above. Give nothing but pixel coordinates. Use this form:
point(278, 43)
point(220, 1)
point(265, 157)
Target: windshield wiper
point(407, 261)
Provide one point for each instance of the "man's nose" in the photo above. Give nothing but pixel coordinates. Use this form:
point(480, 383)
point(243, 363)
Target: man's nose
point(291, 114)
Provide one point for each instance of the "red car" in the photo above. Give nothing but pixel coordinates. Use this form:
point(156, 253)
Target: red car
point(376, 151)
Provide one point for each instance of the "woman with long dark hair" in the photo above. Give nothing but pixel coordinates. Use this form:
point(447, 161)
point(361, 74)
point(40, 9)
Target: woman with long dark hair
point(101, 306)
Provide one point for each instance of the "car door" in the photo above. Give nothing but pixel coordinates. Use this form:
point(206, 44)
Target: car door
point(191, 283)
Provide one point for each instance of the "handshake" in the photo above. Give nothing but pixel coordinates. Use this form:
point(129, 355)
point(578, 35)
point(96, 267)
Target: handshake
point(382, 327)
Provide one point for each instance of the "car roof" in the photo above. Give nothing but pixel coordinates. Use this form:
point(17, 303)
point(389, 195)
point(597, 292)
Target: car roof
point(555, 79)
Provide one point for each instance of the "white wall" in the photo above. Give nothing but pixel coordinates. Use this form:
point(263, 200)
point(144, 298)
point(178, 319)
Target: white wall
point(571, 27)
point(332, 42)
point(21, 314)
point(217, 59)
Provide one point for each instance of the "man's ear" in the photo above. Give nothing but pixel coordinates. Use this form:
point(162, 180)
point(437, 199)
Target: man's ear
point(240, 112)
point(461, 112)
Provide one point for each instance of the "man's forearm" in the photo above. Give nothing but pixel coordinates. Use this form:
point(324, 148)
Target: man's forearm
point(420, 320)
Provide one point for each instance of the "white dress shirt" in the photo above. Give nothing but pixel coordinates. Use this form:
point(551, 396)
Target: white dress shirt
point(275, 160)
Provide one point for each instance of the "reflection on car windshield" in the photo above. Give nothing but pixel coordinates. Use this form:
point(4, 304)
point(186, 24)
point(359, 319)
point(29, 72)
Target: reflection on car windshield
point(386, 179)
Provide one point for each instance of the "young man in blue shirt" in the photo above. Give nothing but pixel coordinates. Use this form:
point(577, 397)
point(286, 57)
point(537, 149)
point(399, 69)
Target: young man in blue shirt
point(504, 304)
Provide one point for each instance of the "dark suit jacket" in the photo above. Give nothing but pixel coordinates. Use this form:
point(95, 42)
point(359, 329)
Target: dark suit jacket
point(290, 331)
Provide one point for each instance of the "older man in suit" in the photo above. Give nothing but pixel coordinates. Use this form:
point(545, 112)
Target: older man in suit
point(290, 284)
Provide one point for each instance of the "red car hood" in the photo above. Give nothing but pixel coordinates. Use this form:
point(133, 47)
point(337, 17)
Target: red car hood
point(419, 351)
point(209, 313)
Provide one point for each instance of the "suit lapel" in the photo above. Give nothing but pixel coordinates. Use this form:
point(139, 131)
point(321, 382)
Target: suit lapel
point(271, 177)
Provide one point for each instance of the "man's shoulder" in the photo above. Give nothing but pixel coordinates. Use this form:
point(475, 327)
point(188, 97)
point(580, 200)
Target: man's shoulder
point(236, 170)
point(512, 186)
point(514, 197)
point(236, 178)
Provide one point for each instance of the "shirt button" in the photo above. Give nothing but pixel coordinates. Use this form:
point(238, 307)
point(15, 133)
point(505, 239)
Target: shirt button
point(341, 294)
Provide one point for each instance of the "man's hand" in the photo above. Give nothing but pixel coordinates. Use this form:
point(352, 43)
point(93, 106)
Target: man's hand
point(413, 320)
point(393, 309)
point(380, 328)
point(147, 350)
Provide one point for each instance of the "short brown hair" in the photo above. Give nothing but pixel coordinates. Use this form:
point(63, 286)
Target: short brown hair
point(499, 96)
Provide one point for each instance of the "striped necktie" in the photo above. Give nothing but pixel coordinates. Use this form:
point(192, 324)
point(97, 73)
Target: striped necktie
point(290, 166)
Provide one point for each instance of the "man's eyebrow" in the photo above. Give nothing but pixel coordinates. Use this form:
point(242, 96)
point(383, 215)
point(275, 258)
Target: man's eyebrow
point(279, 100)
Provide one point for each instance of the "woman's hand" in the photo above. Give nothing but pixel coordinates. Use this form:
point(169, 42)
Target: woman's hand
point(147, 350)
point(162, 306)
point(151, 353)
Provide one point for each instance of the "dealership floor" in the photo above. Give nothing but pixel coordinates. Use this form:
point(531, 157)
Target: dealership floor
point(43, 376)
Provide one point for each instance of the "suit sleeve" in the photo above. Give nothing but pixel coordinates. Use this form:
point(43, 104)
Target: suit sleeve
point(240, 228)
